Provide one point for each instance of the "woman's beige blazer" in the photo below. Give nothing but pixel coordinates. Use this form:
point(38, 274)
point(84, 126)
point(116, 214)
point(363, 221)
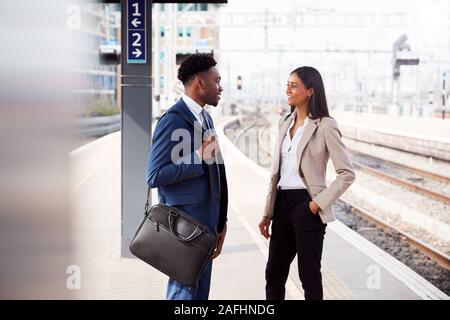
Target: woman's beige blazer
point(320, 141)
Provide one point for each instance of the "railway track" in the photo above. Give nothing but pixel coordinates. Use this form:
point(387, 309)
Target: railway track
point(254, 151)
point(439, 257)
point(424, 182)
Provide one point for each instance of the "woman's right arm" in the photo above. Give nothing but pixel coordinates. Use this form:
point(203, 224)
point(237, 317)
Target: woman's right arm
point(266, 220)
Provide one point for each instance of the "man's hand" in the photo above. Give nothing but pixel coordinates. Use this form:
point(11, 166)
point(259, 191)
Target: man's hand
point(209, 148)
point(219, 242)
point(264, 227)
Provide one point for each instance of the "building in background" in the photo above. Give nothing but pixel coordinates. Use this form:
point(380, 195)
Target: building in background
point(99, 87)
point(177, 31)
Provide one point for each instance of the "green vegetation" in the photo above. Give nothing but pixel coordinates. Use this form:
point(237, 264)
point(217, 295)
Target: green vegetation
point(98, 108)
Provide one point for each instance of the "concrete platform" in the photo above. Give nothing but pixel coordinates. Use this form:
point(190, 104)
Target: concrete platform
point(425, 136)
point(352, 267)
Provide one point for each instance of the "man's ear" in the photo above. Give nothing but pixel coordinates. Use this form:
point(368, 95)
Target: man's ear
point(200, 82)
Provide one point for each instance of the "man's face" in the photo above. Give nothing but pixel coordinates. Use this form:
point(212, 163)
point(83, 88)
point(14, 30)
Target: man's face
point(211, 88)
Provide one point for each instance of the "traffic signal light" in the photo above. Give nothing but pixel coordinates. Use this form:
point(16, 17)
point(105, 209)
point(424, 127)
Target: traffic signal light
point(239, 82)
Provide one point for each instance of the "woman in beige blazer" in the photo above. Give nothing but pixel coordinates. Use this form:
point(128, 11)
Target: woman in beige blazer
point(298, 205)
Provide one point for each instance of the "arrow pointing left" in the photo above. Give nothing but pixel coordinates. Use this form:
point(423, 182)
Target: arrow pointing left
point(135, 22)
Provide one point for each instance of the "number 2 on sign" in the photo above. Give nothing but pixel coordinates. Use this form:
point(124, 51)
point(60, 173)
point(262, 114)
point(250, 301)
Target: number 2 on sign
point(136, 42)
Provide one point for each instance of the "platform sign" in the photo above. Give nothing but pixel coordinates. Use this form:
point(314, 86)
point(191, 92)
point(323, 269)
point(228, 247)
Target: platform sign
point(137, 33)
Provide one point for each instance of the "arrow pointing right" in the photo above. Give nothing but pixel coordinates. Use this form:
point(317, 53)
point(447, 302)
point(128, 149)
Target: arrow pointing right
point(137, 52)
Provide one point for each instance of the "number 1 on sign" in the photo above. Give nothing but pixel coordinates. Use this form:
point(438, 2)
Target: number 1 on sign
point(136, 9)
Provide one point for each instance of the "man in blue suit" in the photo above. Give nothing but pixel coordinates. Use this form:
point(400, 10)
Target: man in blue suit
point(186, 166)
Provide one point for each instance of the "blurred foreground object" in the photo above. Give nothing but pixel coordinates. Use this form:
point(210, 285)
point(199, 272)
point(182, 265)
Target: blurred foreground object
point(36, 62)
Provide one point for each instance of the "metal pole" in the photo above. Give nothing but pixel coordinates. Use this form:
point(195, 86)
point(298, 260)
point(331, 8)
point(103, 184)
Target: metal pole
point(443, 95)
point(136, 129)
point(167, 54)
point(173, 60)
point(157, 61)
point(108, 34)
point(230, 102)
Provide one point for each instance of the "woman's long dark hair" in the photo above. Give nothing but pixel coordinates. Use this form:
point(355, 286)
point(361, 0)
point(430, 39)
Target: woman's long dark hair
point(317, 105)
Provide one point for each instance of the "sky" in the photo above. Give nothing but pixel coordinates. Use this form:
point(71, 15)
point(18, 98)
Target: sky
point(426, 36)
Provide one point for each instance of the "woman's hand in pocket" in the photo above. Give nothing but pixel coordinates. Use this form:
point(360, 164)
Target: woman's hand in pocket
point(313, 207)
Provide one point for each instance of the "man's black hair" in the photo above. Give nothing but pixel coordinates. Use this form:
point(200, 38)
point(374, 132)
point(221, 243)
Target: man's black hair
point(195, 63)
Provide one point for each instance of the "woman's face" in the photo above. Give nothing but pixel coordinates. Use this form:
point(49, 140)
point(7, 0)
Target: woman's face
point(296, 92)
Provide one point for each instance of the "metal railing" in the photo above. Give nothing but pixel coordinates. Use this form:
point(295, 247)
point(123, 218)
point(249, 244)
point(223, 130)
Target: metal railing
point(96, 126)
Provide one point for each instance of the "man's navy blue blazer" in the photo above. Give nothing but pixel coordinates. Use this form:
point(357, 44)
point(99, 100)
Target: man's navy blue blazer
point(196, 188)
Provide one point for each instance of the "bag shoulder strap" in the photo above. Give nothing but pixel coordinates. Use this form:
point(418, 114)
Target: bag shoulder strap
point(190, 122)
point(186, 118)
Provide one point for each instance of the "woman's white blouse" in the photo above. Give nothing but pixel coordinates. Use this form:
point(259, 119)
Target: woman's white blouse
point(289, 172)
